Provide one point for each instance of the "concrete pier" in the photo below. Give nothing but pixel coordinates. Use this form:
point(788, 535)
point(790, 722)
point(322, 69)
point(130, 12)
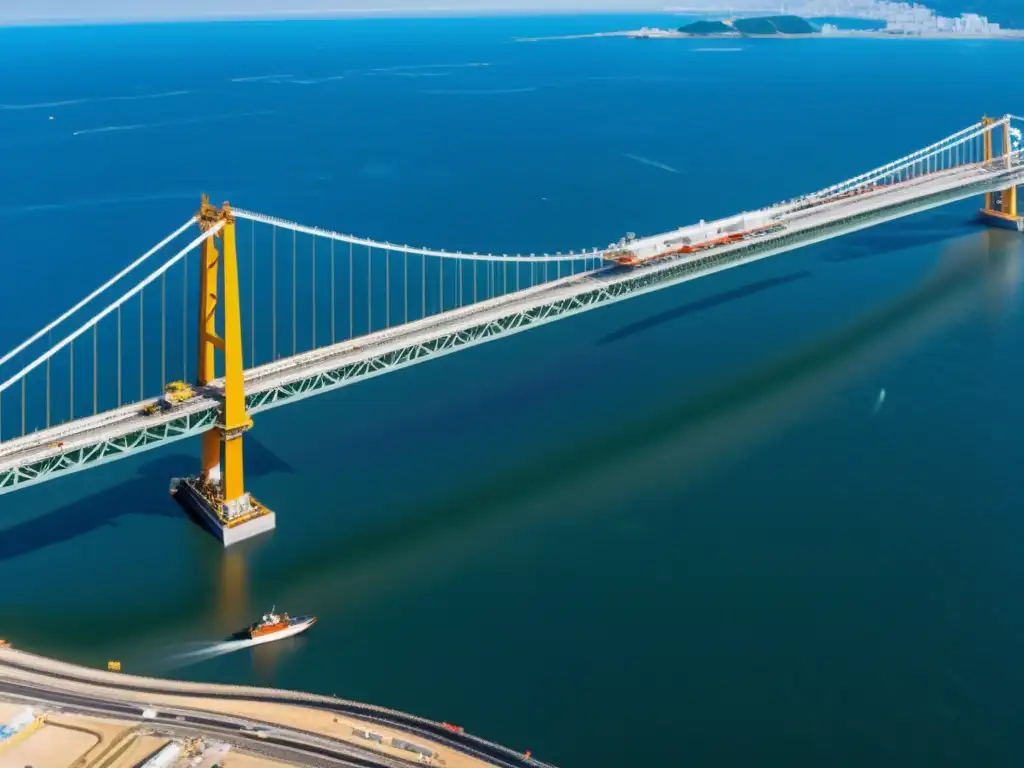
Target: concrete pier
point(231, 523)
point(1002, 220)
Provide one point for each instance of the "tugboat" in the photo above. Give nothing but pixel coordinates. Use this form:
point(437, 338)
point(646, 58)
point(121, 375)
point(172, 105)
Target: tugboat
point(274, 626)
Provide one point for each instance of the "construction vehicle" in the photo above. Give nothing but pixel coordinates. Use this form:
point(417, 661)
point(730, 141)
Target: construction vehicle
point(621, 252)
point(175, 394)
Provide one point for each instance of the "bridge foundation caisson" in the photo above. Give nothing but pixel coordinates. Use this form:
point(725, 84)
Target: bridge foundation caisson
point(1001, 207)
point(217, 495)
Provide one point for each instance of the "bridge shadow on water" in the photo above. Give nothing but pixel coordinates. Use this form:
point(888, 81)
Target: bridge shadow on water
point(700, 305)
point(897, 236)
point(877, 241)
point(89, 513)
point(690, 437)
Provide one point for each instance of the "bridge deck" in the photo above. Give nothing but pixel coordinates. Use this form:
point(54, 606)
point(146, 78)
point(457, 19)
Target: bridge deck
point(113, 434)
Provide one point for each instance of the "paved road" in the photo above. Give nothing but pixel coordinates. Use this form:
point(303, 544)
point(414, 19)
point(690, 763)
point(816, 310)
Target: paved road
point(815, 223)
point(289, 746)
point(466, 743)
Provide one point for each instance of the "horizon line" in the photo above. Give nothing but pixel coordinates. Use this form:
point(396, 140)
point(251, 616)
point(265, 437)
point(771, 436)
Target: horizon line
point(327, 13)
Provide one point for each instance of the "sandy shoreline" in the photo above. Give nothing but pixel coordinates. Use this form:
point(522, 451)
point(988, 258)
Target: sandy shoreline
point(302, 713)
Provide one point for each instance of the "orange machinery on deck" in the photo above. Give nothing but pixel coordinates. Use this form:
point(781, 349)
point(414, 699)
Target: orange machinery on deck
point(627, 258)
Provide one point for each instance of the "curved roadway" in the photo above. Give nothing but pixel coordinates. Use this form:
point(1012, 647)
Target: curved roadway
point(59, 672)
point(292, 747)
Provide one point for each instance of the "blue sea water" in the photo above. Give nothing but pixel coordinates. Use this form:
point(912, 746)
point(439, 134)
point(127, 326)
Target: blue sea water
point(678, 530)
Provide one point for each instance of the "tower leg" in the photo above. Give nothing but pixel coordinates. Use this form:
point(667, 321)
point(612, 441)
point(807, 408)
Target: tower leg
point(986, 142)
point(1002, 213)
point(206, 370)
point(1010, 202)
point(217, 495)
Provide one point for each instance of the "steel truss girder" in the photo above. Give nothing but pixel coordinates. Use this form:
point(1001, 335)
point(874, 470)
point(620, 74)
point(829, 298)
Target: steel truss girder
point(645, 281)
point(87, 456)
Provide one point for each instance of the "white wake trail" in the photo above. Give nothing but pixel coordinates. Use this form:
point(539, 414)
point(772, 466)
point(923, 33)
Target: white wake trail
point(653, 163)
point(210, 651)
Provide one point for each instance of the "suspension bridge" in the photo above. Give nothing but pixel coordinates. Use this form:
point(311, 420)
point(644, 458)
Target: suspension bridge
point(166, 359)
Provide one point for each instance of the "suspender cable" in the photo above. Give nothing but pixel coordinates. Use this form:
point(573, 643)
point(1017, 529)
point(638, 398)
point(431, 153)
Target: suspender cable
point(387, 288)
point(332, 291)
point(273, 294)
point(142, 351)
point(369, 290)
point(71, 394)
point(351, 305)
point(252, 294)
point(163, 330)
point(119, 357)
point(115, 306)
point(295, 338)
point(97, 292)
point(184, 320)
point(49, 341)
point(314, 293)
point(95, 372)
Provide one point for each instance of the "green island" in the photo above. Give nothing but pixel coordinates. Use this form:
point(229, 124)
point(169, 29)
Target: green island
point(763, 25)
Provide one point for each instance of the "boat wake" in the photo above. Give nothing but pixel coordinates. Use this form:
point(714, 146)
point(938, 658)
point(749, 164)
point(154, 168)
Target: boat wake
point(480, 91)
point(72, 102)
point(653, 163)
point(203, 652)
point(258, 78)
point(878, 402)
point(168, 123)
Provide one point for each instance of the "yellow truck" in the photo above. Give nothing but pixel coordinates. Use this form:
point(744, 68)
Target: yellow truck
point(175, 393)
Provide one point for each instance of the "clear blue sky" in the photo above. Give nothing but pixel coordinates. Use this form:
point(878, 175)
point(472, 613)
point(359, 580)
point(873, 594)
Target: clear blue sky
point(26, 10)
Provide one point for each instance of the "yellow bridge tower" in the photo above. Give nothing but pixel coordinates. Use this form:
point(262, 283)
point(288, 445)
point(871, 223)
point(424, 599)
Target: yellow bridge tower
point(1000, 207)
point(217, 495)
